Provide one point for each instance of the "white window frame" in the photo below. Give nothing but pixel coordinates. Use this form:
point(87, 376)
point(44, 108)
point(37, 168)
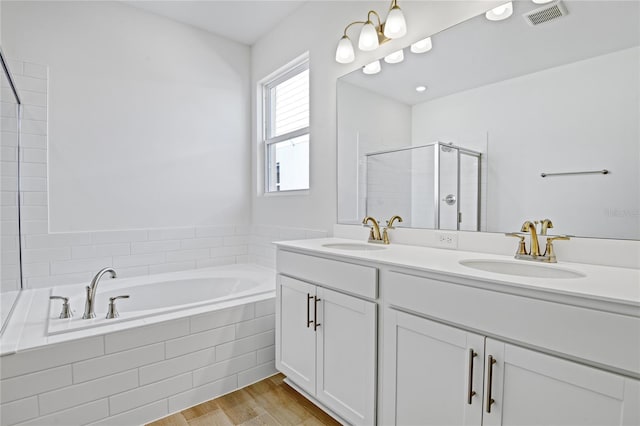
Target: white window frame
point(292, 69)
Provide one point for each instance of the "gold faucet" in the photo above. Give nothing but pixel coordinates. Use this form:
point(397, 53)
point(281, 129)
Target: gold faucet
point(549, 253)
point(385, 235)
point(545, 224)
point(374, 235)
point(530, 227)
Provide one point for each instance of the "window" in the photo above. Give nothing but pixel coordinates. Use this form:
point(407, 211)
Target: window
point(286, 130)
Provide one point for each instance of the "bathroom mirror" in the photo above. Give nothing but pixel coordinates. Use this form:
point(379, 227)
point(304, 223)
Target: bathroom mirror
point(559, 97)
point(10, 273)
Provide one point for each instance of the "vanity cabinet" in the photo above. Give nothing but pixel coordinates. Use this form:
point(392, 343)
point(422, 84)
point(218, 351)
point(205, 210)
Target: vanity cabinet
point(326, 333)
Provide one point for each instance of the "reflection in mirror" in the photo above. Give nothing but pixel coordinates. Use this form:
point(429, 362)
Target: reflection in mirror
point(10, 274)
point(531, 99)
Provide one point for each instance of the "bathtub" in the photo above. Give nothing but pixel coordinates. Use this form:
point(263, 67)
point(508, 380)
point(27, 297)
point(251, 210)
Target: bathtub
point(159, 295)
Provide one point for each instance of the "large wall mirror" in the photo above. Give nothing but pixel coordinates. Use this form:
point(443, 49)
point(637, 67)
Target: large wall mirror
point(506, 102)
point(10, 271)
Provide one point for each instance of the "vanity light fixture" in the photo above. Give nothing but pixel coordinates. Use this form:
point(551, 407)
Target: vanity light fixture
point(372, 68)
point(501, 12)
point(421, 88)
point(542, 1)
point(395, 57)
point(422, 46)
point(371, 35)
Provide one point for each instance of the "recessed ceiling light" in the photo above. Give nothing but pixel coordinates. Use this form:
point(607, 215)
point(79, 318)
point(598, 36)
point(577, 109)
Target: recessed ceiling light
point(395, 57)
point(372, 68)
point(422, 46)
point(501, 12)
point(421, 88)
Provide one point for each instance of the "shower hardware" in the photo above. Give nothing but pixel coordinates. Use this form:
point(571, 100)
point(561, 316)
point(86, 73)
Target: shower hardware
point(450, 199)
point(589, 172)
point(66, 312)
point(112, 312)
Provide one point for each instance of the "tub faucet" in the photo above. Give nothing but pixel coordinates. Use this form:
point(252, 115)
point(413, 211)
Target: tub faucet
point(89, 306)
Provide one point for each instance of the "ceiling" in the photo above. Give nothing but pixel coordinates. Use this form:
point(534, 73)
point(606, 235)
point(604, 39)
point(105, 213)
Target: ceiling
point(244, 21)
point(479, 52)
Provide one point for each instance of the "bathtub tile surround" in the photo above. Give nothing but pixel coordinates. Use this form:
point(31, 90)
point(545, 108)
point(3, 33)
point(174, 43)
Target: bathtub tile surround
point(141, 374)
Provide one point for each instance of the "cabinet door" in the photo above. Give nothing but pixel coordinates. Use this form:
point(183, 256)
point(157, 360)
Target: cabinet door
point(295, 338)
point(346, 368)
point(430, 375)
point(529, 387)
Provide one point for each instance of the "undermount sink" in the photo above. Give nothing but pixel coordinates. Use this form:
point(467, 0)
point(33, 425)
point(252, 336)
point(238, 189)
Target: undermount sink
point(353, 246)
point(522, 268)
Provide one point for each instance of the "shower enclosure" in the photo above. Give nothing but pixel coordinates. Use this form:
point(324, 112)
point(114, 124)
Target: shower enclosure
point(435, 186)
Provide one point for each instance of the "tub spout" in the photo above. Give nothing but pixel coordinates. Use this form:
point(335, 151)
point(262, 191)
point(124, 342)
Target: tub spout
point(89, 306)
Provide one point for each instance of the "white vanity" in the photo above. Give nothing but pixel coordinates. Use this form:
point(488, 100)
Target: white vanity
point(409, 335)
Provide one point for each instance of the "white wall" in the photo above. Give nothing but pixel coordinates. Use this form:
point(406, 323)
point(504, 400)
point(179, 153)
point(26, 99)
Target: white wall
point(148, 118)
point(518, 118)
point(317, 27)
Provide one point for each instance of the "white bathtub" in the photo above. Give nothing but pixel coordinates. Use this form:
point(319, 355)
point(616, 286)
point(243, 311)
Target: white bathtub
point(159, 295)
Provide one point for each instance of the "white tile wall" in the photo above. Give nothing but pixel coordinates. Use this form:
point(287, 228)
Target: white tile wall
point(139, 375)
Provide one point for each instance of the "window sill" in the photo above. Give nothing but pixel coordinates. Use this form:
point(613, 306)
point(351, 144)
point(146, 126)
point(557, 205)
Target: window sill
point(290, 193)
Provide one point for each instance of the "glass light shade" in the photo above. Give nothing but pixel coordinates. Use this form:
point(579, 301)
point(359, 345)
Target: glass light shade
point(395, 57)
point(395, 26)
point(368, 37)
point(422, 46)
point(542, 1)
point(501, 12)
point(344, 52)
point(372, 68)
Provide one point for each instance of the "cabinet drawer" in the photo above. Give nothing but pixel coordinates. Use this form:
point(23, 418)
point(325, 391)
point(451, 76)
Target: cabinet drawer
point(599, 337)
point(348, 277)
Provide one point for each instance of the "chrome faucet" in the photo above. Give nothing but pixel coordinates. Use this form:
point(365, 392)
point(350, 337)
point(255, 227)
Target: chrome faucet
point(89, 308)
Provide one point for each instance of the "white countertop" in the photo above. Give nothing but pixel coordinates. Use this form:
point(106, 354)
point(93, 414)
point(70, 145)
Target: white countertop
point(620, 286)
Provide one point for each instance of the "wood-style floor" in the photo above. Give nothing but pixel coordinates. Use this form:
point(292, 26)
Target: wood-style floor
point(268, 402)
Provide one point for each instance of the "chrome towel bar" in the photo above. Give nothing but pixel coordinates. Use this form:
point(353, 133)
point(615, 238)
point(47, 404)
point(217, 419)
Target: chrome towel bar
point(591, 172)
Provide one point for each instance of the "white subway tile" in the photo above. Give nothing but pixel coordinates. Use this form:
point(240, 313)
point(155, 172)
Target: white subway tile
point(34, 155)
point(34, 198)
point(242, 346)
point(184, 255)
point(33, 98)
point(146, 247)
point(292, 234)
point(45, 254)
point(32, 112)
point(197, 243)
point(71, 396)
point(85, 252)
point(9, 140)
point(106, 237)
point(175, 366)
point(229, 251)
point(266, 354)
point(32, 139)
point(222, 369)
point(316, 234)
point(198, 341)
point(255, 374)
point(146, 394)
point(8, 153)
point(30, 83)
point(33, 184)
point(35, 70)
point(9, 243)
point(109, 364)
point(138, 260)
point(133, 338)
point(218, 261)
point(9, 257)
point(242, 240)
point(243, 259)
point(82, 414)
point(138, 416)
point(80, 265)
point(65, 279)
point(34, 213)
point(16, 67)
point(243, 229)
point(202, 393)
point(172, 234)
point(8, 169)
point(134, 271)
point(9, 124)
point(32, 360)
point(33, 384)
point(172, 267)
point(266, 307)
point(215, 231)
point(30, 270)
point(18, 411)
point(34, 227)
point(256, 326)
point(221, 318)
point(33, 170)
point(58, 240)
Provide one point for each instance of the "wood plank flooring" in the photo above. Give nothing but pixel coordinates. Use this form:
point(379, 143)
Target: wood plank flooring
point(268, 402)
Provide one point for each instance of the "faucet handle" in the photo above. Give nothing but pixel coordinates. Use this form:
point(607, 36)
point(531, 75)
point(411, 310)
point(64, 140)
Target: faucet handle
point(392, 220)
point(112, 312)
point(66, 308)
point(522, 248)
point(549, 252)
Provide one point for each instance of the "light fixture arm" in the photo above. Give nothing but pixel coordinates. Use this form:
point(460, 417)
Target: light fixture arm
point(351, 24)
point(377, 16)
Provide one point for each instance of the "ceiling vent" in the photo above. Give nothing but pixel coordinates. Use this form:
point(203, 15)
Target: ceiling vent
point(546, 13)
